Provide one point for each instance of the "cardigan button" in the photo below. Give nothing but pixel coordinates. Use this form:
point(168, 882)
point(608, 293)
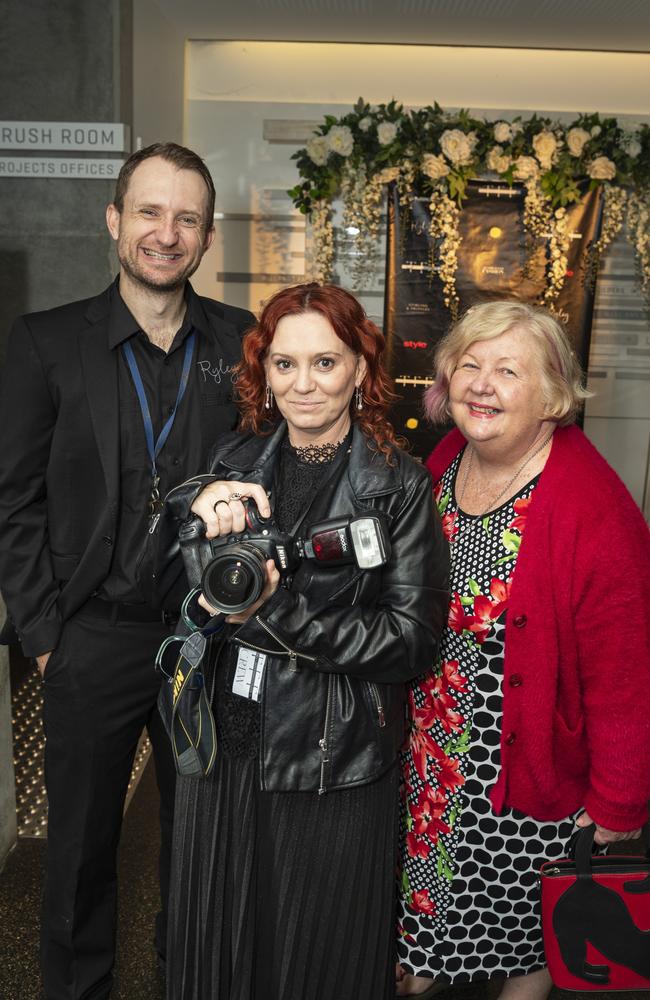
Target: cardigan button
point(510, 739)
point(516, 680)
point(520, 621)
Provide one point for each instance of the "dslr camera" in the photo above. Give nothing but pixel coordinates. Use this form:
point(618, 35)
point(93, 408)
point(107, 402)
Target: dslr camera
point(231, 569)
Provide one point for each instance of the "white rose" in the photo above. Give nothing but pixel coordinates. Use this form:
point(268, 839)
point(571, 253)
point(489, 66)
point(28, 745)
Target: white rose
point(525, 168)
point(387, 175)
point(502, 132)
point(340, 140)
point(365, 124)
point(456, 146)
point(496, 161)
point(602, 169)
point(434, 166)
point(595, 132)
point(576, 140)
point(386, 132)
point(632, 146)
point(545, 146)
point(318, 150)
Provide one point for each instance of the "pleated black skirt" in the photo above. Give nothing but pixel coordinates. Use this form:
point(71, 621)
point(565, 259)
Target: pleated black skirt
point(280, 896)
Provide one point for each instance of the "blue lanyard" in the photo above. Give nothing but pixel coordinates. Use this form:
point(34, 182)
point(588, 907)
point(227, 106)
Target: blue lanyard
point(154, 449)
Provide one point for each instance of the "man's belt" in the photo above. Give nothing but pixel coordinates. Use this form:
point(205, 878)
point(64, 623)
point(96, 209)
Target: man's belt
point(115, 612)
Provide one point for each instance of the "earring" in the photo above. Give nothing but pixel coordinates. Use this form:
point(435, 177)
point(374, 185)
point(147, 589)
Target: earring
point(358, 397)
point(268, 397)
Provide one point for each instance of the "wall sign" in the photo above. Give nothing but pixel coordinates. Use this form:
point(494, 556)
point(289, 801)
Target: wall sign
point(31, 167)
point(102, 137)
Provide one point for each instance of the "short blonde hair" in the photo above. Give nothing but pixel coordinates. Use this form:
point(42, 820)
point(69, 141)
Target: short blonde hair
point(562, 379)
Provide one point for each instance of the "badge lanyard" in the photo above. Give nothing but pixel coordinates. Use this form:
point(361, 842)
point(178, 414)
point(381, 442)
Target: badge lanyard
point(154, 448)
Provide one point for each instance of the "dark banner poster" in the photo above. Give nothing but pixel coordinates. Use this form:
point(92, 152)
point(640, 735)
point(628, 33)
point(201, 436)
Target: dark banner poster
point(494, 261)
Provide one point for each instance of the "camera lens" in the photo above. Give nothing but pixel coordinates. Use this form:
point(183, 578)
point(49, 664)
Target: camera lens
point(235, 578)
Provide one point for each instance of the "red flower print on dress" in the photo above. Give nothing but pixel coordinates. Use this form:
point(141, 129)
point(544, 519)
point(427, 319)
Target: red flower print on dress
point(439, 705)
point(421, 744)
point(417, 847)
point(450, 526)
point(427, 814)
point(521, 510)
point(421, 902)
point(488, 609)
point(458, 620)
point(446, 771)
point(451, 675)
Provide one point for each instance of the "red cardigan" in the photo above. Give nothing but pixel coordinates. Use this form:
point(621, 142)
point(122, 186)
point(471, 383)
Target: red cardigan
point(576, 706)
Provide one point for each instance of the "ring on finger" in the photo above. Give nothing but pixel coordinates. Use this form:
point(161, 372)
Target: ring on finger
point(216, 504)
point(236, 496)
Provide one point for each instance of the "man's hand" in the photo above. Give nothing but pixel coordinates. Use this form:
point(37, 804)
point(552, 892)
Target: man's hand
point(220, 506)
point(41, 661)
point(605, 836)
point(270, 587)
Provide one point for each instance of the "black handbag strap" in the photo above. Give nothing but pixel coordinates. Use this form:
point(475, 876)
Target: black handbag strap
point(581, 847)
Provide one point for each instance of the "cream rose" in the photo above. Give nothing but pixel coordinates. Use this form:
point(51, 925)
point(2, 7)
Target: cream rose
point(602, 169)
point(595, 132)
point(502, 132)
point(545, 146)
point(434, 166)
point(496, 161)
point(456, 146)
point(387, 175)
point(340, 140)
point(526, 167)
point(318, 150)
point(365, 124)
point(576, 140)
point(386, 132)
point(632, 146)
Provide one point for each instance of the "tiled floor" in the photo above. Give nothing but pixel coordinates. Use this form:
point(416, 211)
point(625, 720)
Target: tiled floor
point(20, 891)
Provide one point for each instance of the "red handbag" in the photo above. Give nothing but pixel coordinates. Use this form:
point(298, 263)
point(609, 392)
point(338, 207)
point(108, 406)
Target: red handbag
point(596, 919)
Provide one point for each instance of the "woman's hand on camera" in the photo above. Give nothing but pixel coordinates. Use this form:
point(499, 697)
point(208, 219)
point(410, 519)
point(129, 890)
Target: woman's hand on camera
point(605, 836)
point(270, 587)
point(220, 506)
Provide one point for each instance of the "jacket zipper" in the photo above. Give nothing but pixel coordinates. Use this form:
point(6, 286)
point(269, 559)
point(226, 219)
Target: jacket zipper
point(293, 655)
point(380, 708)
point(322, 743)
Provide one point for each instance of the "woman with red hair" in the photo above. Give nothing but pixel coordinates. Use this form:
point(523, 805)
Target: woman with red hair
point(283, 883)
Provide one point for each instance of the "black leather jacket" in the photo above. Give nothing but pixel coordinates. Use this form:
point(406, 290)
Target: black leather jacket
point(341, 642)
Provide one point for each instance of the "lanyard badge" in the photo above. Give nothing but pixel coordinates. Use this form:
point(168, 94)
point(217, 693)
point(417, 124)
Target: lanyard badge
point(154, 448)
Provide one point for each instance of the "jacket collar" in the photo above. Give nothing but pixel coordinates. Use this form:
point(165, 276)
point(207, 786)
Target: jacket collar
point(368, 473)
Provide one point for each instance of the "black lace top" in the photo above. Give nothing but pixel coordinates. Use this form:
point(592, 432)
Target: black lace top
point(237, 718)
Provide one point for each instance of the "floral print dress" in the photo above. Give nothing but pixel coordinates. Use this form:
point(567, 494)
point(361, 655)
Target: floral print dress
point(468, 906)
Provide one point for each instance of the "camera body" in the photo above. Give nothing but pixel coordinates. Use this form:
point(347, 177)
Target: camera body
point(231, 570)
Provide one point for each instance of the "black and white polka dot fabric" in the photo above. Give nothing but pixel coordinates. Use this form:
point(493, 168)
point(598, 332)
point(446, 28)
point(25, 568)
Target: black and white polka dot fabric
point(468, 895)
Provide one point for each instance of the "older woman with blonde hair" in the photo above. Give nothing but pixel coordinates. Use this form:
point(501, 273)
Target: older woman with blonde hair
point(537, 716)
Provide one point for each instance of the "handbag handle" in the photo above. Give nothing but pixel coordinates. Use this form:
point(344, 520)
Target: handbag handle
point(581, 848)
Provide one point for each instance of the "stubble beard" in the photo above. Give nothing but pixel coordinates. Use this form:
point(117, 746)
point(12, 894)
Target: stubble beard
point(140, 277)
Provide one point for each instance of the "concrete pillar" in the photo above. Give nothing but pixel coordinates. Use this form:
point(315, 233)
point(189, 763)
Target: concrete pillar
point(69, 61)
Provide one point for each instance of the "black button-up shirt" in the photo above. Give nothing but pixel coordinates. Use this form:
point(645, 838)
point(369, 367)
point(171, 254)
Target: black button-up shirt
point(136, 575)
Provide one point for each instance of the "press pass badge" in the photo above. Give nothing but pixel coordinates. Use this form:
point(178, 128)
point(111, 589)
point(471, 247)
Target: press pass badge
point(248, 673)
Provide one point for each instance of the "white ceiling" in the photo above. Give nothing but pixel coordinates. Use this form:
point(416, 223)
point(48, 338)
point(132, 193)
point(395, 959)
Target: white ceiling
point(612, 25)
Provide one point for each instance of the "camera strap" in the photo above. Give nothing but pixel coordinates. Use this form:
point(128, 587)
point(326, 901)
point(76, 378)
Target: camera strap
point(183, 700)
point(155, 447)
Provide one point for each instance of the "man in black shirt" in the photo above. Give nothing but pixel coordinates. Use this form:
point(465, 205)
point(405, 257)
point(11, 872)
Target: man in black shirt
point(107, 404)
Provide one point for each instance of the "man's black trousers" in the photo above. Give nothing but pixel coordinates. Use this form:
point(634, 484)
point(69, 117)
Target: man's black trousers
point(100, 690)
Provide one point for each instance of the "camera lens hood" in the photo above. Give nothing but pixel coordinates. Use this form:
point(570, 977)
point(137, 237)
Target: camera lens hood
point(235, 577)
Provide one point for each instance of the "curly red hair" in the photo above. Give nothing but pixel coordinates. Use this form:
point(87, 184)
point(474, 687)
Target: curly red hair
point(351, 325)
